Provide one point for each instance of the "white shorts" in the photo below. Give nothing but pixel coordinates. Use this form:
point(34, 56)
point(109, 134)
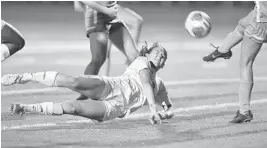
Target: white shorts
point(117, 89)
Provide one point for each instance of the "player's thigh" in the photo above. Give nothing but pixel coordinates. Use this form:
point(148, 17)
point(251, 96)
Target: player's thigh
point(10, 34)
point(122, 39)
point(93, 86)
point(114, 108)
point(91, 109)
point(95, 22)
point(244, 22)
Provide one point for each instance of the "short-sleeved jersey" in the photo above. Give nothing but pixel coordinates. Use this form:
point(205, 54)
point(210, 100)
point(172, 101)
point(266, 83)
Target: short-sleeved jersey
point(137, 101)
point(261, 11)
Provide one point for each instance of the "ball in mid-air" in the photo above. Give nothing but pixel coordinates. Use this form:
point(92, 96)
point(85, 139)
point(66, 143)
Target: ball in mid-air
point(198, 24)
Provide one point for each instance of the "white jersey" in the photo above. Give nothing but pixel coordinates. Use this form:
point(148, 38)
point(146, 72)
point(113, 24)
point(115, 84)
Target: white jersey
point(137, 98)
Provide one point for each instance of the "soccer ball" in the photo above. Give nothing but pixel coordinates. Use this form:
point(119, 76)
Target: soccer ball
point(198, 24)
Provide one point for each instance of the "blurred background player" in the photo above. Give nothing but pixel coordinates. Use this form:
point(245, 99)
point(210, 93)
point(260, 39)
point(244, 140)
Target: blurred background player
point(134, 22)
point(111, 97)
point(11, 40)
point(102, 24)
point(252, 30)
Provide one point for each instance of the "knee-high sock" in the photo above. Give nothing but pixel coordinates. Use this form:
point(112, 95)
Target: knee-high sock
point(46, 108)
point(48, 78)
point(245, 89)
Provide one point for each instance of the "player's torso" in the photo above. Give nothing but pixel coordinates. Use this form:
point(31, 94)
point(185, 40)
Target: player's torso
point(132, 72)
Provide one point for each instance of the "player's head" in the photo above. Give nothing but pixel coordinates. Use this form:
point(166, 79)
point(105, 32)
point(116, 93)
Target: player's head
point(156, 54)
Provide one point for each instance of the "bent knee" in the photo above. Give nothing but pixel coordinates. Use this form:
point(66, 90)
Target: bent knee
point(99, 37)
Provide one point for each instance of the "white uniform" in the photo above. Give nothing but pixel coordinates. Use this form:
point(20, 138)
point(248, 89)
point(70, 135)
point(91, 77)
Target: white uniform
point(124, 94)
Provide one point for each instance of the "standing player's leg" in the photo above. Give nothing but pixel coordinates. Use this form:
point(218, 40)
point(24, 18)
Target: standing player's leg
point(255, 35)
point(11, 40)
point(134, 22)
point(231, 40)
point(122, 39)
point(106, 65)
point(98, 47)
point(121, 36)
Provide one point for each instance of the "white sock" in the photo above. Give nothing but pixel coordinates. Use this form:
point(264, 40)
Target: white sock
point(48, 78)
point(4, 52)
point(245, 89)
point(46, 108)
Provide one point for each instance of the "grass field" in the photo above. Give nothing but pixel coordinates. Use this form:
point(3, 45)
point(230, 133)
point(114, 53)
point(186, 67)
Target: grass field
point(204, 95)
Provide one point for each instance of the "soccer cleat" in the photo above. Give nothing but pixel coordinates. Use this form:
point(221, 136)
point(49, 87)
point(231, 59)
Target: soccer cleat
point(240, 118)
point(216, 54)
point(11, 79)
point(17, 109)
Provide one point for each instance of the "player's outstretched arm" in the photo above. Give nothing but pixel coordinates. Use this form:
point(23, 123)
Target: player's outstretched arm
point(148, 90)
point(163, 100)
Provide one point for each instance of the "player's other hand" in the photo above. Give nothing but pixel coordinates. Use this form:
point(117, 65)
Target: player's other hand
point(112, 11)
point(155, 119)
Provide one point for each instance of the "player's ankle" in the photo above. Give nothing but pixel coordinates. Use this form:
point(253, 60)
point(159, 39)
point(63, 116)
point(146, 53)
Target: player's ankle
point(223, 50)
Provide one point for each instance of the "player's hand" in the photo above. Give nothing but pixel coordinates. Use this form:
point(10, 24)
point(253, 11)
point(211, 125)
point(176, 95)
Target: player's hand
point(112, 11)
point(155, 119)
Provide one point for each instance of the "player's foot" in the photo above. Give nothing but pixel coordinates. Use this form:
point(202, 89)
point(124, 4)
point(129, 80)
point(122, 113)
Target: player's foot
point(240, 118)
point(10, 79)
point(216, 54)
point(17, 109)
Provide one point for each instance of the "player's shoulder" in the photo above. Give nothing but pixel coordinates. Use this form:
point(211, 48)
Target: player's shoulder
point(140, 61)
point(139, 64)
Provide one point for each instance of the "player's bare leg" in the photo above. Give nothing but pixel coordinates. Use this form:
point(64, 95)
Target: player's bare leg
point(90, 86)
point(249, 51)
point(98, 46)
point(107, 64)
point(86, 108)
point(122, 39)
point(231, 40)
point(11, 40)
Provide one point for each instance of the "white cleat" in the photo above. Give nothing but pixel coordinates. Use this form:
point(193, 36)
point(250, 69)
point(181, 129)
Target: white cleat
point(11, 79)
